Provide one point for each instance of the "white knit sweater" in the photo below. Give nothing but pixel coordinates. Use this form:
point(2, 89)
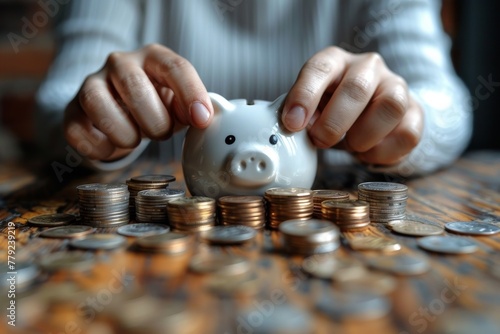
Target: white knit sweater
point(255, 48)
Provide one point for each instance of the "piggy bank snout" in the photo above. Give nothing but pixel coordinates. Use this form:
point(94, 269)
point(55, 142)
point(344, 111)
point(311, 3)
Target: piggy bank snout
point(253, 166)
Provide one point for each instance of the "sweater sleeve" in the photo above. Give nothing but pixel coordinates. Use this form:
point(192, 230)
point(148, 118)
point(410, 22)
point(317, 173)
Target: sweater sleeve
point(409, 36)
point(87, 32)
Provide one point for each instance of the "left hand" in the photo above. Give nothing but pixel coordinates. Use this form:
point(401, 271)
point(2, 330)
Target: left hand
point(355, 102)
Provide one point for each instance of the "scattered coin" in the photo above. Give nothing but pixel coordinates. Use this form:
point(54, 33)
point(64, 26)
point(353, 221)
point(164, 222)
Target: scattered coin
point(368, 243)
point(415, 228)
point(400, 264)
point(472, 228)
point(288, 203)
point(25, 274)
point(242, 210)
point(328, 267)
point(170, 242)
point(447, 244)
point(308, 237)
point(219, 264)
point(387, 200)
point(99, 241)
point(72, 231)
point(54, 219)
point(142, 229)
point(71, 261)
point(235, 234)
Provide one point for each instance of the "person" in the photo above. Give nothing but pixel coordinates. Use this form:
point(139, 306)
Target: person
point(371, 81)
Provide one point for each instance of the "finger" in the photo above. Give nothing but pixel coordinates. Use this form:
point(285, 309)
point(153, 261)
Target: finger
point(399, 142)
point(106, 114)
point(314, 78)
point(172, 71)
point(348, 101)
point(81, 134)
point(382, 115)
point(140, 96)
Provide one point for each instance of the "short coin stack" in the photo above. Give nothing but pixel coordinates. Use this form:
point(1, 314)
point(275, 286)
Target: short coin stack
point(242, 210)
point(349, 215)
point(309, 237)
point(103, 205)
point(145, 182)
point(322, 195)
point(191, 214)
point(288, 203)
point(387, 200)
point(151, 205)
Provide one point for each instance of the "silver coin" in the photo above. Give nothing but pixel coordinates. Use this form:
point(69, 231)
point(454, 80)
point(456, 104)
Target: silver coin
point(142, 230)
point(71, 231)
point(229, 234)
point(102, 188)
point(99, 241)
point(54, 219)
point(472, 228)
point(156, 178)
point(415, 228)
point(400, 264)
point(161, 193)
point(447, 244)
point(304, 228)
point(25, 274)
point(71, 261)
point(382, 186)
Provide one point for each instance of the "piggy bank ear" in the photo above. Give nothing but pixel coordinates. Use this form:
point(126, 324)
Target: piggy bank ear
point(277, 104)
point(220, 103)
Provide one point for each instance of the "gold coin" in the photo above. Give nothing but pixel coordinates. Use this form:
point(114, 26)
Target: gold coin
point(415, 228)
point(374, 243)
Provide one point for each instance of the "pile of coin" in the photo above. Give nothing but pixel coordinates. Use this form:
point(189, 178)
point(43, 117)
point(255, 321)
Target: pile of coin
point(309, 237)
point(151, 205)
point(145, 182)
point(191, 214)
point(319, 196)
point(242, 210)
point(103, 205)
point(387, 200)
point(349, 215)
point(288, 203)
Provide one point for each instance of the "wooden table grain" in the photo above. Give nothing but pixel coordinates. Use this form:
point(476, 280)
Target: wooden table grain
point(459, 294)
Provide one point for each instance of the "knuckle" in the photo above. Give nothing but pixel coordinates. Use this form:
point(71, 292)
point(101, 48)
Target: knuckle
point(333, 130)
point(154, 47)
point(114, 58)
point(393, 107)
point(90, 96)
point(357, 88)
point(133, 82)
point(320, 68)
point(374, 58)
point(159, 131)
point(409, 139)
point(174, 63)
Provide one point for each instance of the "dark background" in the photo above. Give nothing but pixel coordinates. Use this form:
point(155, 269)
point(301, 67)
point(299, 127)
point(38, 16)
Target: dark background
point(472, 25)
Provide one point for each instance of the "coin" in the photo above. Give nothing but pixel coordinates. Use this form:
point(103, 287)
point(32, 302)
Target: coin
point(285, 318)
point(99, 241)
point(234, 234)
point(219, 264)
point(472, 228)
point(153, 178)
point(374, 243)
point(309, 236)
point(387, 200)
point(390, 187)
point(71, 261)
point(373, 282)
point(447, 244)
point(288, 203)
point(170, 242)
point(415, 228)
point(328, 267)
point(151, 204)
point(400, 264)
point(347, 215)
point(54, 219)
point(242, 210)
point(72, 231)
point(142, 229)
point(25, 274)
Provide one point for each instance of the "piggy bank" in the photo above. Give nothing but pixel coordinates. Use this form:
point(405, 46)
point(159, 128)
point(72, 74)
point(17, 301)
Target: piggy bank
point(246, 150)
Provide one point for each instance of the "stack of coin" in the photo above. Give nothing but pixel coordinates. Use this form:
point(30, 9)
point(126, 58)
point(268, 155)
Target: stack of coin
point(103, 205)
point(387, 200)
point(242, 210)
point(350, 215)
point(145, 182)
point(151, 205)
point(288, 203)
point(319, 196)
point(308, 237)
point(191, 214)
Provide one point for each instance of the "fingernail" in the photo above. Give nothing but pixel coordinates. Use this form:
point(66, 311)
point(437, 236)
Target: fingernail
point(295, 117)
point(199, 114)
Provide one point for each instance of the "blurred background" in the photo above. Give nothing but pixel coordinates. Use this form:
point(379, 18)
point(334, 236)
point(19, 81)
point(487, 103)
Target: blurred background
point(472, 25)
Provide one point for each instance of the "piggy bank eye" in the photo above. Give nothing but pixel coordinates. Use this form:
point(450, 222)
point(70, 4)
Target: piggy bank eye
point(230, 139)
point(273, 139)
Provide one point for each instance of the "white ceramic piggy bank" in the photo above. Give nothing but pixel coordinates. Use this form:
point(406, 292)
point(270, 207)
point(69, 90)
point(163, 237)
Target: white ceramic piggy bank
point(246, 151)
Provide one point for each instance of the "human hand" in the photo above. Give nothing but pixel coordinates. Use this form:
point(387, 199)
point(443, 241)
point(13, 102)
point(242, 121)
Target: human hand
point(353, 101)
point(146, 93)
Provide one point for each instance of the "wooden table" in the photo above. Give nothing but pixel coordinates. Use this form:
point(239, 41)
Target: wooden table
point(459, 290)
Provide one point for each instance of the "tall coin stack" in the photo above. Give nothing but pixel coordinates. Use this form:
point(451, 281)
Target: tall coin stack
point(387, 200)
point(288, 203)
point(308, 237)
point(103, 205)
point(242, 210)
point(151, 205)
point(146, 182)
point(191, 214)
point(319, 196)
point(349, 215)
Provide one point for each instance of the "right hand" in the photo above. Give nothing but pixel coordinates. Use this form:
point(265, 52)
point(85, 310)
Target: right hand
point(146, 93)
